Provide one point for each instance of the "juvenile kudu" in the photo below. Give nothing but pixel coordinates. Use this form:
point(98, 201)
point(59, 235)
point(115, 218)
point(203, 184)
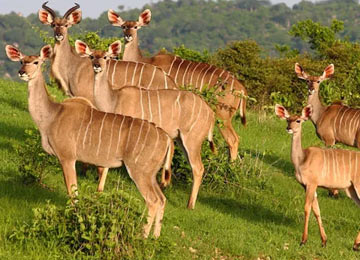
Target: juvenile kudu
point(195, 74)
point(182, 114)
point(75, 74)
point(317, 167)
point(75, 131)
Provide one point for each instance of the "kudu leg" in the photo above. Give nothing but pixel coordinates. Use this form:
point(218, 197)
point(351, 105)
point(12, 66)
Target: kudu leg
point(166, 174)
point(102, 172)
point(70, 176)
point(193, 151)
point(160, 213)
point(310, 194)
point(231, 138)
point(316, 209)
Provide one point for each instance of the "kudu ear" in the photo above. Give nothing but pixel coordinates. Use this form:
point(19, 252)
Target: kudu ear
point(74, 17)
point(114, 49)
point(300, 72)
point(82, 48)
point(145, 18)
point(306, 112)
point(114, 18)
point(13, 53)
point(46, 52)
point(281, 112)
point(45, 17)
point(328, 72)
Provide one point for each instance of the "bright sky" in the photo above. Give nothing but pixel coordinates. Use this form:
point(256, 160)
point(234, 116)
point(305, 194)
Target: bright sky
point(90, 8)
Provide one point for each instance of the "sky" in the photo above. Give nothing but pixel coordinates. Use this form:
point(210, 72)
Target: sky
point(90, 8)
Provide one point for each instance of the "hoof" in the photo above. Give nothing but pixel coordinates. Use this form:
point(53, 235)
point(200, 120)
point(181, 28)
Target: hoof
point(302, 243)
point(323, 243)
point(356, 247)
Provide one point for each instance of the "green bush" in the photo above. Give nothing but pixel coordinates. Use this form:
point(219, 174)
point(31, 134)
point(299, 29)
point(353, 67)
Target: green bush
point(100, 225)
point(33, 162)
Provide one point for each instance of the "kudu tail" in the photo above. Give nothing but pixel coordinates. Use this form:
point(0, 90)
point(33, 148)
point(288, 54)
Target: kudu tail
point(242, 107)
point(210, 139)
point(166, 172)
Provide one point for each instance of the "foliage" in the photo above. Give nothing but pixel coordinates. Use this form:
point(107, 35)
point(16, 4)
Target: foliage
point(103, 225)
point(34, 163)
point(192, 55)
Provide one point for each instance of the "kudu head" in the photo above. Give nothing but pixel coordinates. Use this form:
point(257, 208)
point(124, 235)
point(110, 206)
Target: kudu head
point(60, 25)
point(98, 58)
point(130, 27)
point(294, 121)
point(30, 65)
point(314, 82)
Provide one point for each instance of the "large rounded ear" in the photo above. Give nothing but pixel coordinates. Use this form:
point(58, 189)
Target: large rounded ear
point(328, 72)
point(82, 48)
point(74, 17)
point(45, 17)
point(114, 49)
point(145, 17)
point(306, 112)
point(281, 112)
point(13, 53)
point(300, 72)
point(114, 18)
point(46, 52)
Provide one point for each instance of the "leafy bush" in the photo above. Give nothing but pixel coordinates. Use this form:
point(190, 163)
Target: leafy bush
point(101, 225)
point(33, 162)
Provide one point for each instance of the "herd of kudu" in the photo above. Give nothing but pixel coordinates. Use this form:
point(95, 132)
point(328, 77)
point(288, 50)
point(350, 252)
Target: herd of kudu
point(130, 111)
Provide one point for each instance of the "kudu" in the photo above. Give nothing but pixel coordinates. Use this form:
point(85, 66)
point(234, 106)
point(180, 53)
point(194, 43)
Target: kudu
point(74, 130)
point(182, 114)
point(194, 74)
point(75, 74)
point(317, 167)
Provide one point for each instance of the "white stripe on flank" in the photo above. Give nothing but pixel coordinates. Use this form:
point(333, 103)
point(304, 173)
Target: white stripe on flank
point(152, 78)
point(155, 146)
point(101, 128)
point(129, 134)
point(212, 74)
point(159, 106)
point(175, 79)
point(126, 72)
point(347, 118)
point(141, 73)
point(87, 127)
point(141, 104)
point(337, 164)
point(144, 143)
point(343, 172)
point(119, 135)
point(202, 80)
point(178, 102)
point(334, 165)
point(335, 126)
point(232, 84)
point(83, 118)
point(165, 76)
point(197, 79)
point(113, 74)
point(137, 141)
point(197, 118)
point(134, 73)
point(111, 136)
point(356, 117)
point(172, 63)
point(183, 80)
point(193, 107)
point(350, 170)
point(221, 73)
point(341, 118)
point(149, 100)
point(192, 74)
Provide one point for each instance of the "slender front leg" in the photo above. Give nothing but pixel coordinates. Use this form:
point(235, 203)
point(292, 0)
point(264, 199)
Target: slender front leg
point(316, 209)
point(310, 194)
point(102, 172)
point(70, 176)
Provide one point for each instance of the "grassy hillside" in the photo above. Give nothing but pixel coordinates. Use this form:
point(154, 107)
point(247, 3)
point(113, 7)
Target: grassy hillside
point(239, 221)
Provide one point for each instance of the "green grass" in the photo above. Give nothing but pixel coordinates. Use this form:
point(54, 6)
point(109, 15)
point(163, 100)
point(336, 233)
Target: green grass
point(237, 221)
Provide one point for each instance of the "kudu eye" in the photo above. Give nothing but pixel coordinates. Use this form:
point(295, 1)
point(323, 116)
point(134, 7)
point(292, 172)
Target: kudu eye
point(135, 27)
point(91, 57)
point(298, 121)
point(105, 57)
point(52, 25)
point(318, 81)
point(21, 62)
point(36, 62)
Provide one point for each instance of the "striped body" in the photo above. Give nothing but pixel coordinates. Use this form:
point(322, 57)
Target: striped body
point(128, 73)
point(339, 123)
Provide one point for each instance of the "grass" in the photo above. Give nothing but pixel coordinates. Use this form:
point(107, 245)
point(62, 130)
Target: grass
point(237, 221)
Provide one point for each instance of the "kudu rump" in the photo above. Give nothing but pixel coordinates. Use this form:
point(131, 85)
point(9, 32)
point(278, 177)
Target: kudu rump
point(182, 114)
point(75, 74)
point(195, 74)
point(316, 167)
point(75, 131)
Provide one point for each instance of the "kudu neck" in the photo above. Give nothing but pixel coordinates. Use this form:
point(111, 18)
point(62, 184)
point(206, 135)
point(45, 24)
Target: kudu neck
point(318, 107)
point(104, 95)
point(297, 152)
point(132, 51)
point(42, 109)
